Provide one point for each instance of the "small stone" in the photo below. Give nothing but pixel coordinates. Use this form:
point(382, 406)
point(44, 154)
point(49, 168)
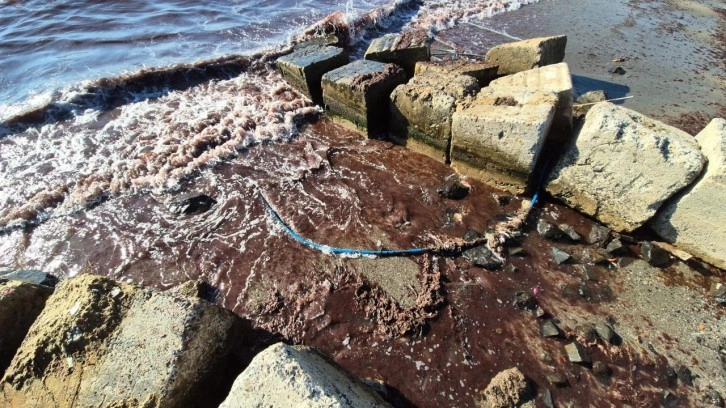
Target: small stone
point(599, 235)
point(713, 397)
point(684, 375)
point(550, 329)
point(483, 257)
point(191, 203)
point(605, 332)
point(671, 376)
point(547, 399)
point(616, 247)
point(539, 312)
point(557, 379)
point(522, 300)
point(654, 255)
point(570, 232)
point(548, 230)
point(670, 399)
point(454, 188)
point(601, 371)
point(617, 71)
point(589, 273)
point(560, 256)
point(719, 293)
point(587, 332)
point(577, 353)
point(472, 235)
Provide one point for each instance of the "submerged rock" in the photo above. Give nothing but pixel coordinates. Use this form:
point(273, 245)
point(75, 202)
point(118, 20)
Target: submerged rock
point(454, 188)
point(191, 203)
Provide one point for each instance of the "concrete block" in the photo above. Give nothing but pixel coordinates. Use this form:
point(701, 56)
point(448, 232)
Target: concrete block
point(103, 343)
point(359, 92)
point(33, 276)
point(499, 137)
point(695, 220)
point(404, 50)
point(304, 68)
point(551, 78)
point(622, 166)
point(527, 54)
point(483, 72)
point(421, 111)
point(298, 376)
point(20, 304)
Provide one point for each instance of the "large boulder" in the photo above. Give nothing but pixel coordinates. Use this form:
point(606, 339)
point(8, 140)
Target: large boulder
point(421, 111)
point(404, 50)
point(298, 376)
point(304, 68)
point(103, 343)
point(527, 54)
point(498, 138)
point(20, 304)
point(551, 78)
point(695, 220)
point(622, 166)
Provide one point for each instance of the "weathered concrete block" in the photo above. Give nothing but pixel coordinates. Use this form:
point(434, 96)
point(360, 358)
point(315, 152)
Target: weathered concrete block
point(304, 68)
point(103, 343)
point(499, 137)
point(622, 166)
point(527, 54)
point(421, 111)
point(20, 305)
point(287, 376)
point(404, 50)
point(551, 78)
point(695, 220)
point(483, 72)
point(359, 92)
point(33, 276)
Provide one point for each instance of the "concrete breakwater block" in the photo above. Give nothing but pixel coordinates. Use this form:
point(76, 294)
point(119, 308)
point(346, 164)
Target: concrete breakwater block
point(622, 166)
point(304, 68)
point(483, 72)
point(695, 220)
point(551, 78)
point(298, 376)
point(20, 304)
point(527, 54)
point(359, 92)
point(104, 343)
point(499, 137)
point(404, 50)
point(421, 111)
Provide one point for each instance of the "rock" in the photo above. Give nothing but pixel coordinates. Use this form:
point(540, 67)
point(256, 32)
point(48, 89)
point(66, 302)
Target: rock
point(654, 255)
point(549, 230)
point(550, 329)
point(359, 92)
point(525, 301)
point(719, 293)
point(550, 79)
point(31, 276)
point(560, 256)
point(191, 203)
point(483, 257)
point(404, 49)
point(523, 55)
point(589, 273)
point(586, 332)
point(20, 304)
point(472, 235)
point(601, 371)
point(605, 332)
point(421, 111)
point(570, 232)
point(670, 399)
point(617, 248)
point(483, 72)
point(547, 399)
point(304, 68)
point(100, 342)
point(298, 376)
point(509, 388)
point(498, 138)
point(318, 41)
point(577, 353)
point(671, 376)
point(586, 100)
point(617, 71)
point(557, 379)
point(713, 398)
point(599, 235)
point(196, 289)
point(685, 220)
point(623, 166)
point(684, 375)
point(454, 188)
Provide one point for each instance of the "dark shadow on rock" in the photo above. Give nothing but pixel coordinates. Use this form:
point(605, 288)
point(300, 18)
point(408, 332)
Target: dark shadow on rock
point(584, 84)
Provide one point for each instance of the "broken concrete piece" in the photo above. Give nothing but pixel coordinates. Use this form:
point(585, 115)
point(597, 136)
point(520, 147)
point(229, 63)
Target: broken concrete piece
point(359, 92)
point(304, 68)
point(483, 72)
point(498, 138)
point(622, 166)
point(695, 220)
point(404, 49)
point(527, 54)
point(298, 376)
point(551, 78)
point(104, 343)
point(577, 353)
point(509, 388)
point(421, 111)
point(20, 305)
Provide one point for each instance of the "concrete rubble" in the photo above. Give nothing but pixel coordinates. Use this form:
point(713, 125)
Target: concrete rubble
point(304, 68)
point(483, 72)
point(404, 50)
point(421, 111)
point(527, 54)
point(299, 376)
point(622, 166)
point(695, 220)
